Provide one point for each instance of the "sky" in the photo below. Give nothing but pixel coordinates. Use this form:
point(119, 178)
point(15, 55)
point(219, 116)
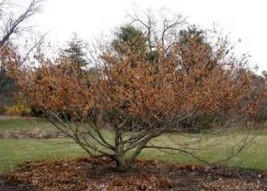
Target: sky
point(243, 20)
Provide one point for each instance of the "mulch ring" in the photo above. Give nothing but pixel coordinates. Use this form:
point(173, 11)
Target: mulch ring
point(98, 174)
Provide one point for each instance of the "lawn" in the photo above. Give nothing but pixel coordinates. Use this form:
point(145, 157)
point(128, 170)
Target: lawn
point(15, 151)
point(24, 124)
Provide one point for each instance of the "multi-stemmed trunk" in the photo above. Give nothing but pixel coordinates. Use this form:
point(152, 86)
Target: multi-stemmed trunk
point(122, 164)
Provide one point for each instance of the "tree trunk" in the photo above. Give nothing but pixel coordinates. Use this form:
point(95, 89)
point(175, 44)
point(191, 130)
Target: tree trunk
point(121, 163)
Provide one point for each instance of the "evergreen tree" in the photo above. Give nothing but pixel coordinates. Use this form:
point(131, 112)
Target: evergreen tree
point(130, 40)
point(72, 59)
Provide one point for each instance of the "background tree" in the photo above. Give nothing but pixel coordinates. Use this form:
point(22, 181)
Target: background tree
point(130, 40)
point(73, 58)
point(7, 84)
point(12, 23)
point(138, 104)
point(260, 84)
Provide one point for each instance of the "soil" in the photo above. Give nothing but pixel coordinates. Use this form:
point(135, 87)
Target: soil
point(92, 174)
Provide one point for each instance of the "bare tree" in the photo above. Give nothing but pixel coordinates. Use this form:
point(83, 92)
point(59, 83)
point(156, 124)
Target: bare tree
point(163, 31)
point(11, 24)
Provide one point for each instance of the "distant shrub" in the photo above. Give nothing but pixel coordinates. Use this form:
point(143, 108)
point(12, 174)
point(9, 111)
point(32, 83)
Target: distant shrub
point(19, 109)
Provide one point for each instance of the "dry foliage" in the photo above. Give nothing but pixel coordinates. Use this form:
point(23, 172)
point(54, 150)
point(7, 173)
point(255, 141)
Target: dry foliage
point(147, 82)
point(96, 174)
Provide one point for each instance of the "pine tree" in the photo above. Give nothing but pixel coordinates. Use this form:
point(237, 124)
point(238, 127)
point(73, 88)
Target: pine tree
point(72, 59)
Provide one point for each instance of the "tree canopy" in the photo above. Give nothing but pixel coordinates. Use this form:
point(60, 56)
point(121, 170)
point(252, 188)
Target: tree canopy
point(135, 99)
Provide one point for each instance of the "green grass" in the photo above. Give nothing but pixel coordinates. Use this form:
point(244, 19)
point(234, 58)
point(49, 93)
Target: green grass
point(22, 125)
point(253, 156)
point(15, 151)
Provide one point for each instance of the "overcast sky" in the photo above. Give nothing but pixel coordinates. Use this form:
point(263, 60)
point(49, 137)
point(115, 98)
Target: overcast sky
point(241, 19)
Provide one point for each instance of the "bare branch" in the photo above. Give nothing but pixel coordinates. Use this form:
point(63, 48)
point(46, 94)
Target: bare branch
point(170, 26)
point(13, 24)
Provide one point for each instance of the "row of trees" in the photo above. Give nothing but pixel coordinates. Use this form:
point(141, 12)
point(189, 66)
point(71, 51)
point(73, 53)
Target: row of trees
point(152, 78)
